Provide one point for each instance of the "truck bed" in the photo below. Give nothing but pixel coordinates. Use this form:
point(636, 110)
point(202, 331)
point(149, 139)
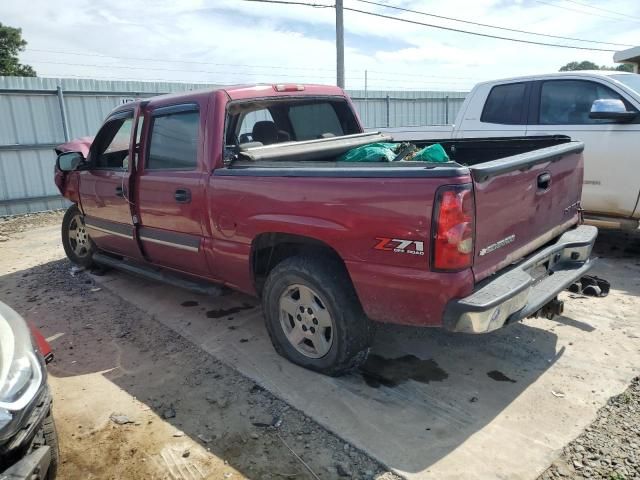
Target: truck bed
point(322, 154)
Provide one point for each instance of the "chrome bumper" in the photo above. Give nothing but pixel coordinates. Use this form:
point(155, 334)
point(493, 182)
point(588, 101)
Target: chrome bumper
point(524, 289)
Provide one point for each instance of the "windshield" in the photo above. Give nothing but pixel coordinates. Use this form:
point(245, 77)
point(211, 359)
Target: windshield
point(631, 81)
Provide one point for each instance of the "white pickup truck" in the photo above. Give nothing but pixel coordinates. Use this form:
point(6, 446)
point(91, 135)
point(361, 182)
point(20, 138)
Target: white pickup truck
point(599, 108)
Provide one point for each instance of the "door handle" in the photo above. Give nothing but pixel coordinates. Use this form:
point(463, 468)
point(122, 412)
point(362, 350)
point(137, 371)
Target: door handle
point(544, 181)
point(120, 192)
point(182, 195)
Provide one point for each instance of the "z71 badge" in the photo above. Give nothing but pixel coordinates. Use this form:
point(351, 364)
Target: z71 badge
point(399, 245)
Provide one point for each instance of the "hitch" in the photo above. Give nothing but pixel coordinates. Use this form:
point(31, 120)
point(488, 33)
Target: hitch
point(551, 309)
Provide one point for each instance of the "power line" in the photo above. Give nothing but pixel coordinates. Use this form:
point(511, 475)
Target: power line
point(617, 19)
point(424, 81)
point(487, 25)
point(137, 59)
point(531, 42)
point(440, 27)
point(128, 67)
point(178, 61)
point(602, 9)
point(283, 2)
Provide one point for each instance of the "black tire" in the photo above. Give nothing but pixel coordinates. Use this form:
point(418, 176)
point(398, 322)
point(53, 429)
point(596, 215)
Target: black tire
point(351, 336)
point(51, 440)
point(81, 255)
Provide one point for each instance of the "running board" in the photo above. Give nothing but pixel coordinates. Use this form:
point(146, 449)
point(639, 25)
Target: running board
point(158, 275)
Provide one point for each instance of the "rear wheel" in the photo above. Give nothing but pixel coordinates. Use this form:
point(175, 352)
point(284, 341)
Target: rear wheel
point(75, 239)
point(314, 317)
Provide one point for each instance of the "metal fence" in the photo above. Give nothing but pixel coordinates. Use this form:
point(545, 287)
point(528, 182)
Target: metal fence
point(36, 114)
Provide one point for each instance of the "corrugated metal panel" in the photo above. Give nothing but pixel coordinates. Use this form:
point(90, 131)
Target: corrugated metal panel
point(26, 119)
point(31, 120)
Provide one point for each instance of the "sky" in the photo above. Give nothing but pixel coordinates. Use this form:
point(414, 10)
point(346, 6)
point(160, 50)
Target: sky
point(235, 41)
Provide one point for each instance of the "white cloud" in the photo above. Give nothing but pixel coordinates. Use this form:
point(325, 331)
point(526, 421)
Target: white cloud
point(236, 41)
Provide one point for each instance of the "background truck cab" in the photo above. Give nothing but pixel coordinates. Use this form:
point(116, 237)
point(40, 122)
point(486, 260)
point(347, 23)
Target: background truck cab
point(563, 104)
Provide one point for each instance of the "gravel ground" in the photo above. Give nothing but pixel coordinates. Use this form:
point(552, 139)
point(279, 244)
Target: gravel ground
point(610, 447)
point(21, 223)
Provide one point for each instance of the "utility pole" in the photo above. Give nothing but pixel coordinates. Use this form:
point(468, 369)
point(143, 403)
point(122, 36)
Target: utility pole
point(340, 43)
point(366, 84)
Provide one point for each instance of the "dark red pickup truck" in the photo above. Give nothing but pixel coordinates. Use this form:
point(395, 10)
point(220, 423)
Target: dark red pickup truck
point(241, 186)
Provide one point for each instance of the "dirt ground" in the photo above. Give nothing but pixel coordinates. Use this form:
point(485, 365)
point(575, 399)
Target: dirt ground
point(134, 400)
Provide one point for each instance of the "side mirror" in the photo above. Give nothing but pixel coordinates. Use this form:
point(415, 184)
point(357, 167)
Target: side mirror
point(69, 161)
point(611, 109)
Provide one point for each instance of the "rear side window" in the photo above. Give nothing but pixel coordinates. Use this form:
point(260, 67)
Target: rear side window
point(316, 120)
point(505, 104)
point(174, 141)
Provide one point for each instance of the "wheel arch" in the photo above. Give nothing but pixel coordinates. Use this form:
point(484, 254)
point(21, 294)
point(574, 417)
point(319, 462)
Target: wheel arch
point(271, 248)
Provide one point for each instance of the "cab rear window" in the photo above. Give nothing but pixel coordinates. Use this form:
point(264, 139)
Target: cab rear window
point(314, 121)
point(292, 120)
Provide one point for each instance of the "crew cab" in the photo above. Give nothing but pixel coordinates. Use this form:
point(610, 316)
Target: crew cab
point(242, 186)
point(599, 108)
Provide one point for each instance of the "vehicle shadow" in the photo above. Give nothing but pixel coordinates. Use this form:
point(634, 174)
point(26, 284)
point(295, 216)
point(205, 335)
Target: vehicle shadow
point(422, 396)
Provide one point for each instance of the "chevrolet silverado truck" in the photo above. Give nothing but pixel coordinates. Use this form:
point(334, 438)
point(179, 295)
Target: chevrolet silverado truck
point(599, 108)
point(241, 186)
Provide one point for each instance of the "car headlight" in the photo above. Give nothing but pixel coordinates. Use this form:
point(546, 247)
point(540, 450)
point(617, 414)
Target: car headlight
point(21, 373)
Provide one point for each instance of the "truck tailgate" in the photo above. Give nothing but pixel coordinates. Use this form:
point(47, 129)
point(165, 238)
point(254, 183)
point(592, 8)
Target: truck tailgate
point(523, 202)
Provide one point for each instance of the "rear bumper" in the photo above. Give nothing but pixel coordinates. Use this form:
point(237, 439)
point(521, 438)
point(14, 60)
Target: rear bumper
point(523, 290)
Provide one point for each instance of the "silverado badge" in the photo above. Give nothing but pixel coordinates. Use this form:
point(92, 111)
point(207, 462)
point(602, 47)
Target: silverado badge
point(499, 244)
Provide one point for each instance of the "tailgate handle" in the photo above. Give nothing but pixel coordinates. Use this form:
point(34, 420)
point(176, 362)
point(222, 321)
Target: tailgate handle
point(544, 181)
point(183, 195)
point(120, 192)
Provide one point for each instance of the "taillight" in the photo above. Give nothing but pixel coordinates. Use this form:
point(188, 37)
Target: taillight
point(453, 228)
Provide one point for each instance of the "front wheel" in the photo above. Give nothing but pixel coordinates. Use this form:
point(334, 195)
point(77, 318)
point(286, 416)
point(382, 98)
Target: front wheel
point(75, 239)
point(51, 440)
point(313, 315)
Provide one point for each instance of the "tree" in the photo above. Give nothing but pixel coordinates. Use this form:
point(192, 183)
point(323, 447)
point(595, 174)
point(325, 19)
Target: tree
point(11, 43)
point(587, 65)
point(625, 67)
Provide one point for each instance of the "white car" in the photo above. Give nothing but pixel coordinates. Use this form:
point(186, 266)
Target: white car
point(599, 108)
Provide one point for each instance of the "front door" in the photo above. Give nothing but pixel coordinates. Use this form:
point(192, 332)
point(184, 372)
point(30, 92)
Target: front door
point(104, 187)
point(611, 166)
point(170, 189)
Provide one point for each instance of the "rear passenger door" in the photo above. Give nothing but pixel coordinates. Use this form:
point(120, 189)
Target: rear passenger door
point(611, 165)
point(503, 114)
point(171, 189)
